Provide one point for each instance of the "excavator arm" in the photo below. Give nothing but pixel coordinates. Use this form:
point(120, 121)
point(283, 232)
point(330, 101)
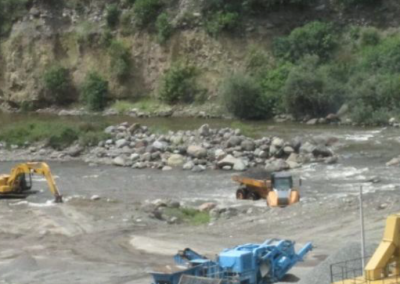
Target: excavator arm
point(36, 168)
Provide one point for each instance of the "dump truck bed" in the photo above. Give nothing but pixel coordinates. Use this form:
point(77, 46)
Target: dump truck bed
point(250, 181)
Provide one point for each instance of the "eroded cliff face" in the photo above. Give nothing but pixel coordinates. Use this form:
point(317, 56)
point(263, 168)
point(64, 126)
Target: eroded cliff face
point(51, 34)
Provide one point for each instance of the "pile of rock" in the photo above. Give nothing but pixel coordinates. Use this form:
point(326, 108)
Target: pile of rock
point(136, 146)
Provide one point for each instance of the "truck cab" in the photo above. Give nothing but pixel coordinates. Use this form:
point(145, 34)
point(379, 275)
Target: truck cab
point(282, 193)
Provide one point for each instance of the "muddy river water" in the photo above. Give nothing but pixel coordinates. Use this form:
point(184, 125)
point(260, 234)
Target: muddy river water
point(111, 241)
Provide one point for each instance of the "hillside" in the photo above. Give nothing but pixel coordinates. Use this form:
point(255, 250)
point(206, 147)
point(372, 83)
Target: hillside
point(301, 57)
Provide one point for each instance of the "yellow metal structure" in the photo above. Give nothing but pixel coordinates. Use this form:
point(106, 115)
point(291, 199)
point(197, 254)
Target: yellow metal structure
point(384, 266)
point(16, 184)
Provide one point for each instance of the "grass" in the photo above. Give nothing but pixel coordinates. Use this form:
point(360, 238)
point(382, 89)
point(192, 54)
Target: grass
point(145, 105)
point(246, 129)
point(189, 215)
point(57, 135)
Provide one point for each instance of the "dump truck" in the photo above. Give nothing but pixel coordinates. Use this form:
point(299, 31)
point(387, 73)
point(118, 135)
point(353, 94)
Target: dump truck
point(277, 188)
point(263, 263)
point(18, 183)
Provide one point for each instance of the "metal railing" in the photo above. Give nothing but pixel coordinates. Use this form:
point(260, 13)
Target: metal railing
point(351, 272)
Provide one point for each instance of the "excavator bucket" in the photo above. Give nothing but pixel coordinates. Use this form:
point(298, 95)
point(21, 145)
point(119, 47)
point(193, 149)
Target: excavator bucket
point(187, 279)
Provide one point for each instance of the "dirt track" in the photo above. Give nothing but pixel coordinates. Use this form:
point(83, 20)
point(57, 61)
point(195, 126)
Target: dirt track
point(111, 241)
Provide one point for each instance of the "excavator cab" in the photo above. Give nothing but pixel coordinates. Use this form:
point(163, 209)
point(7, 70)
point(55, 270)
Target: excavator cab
point(25, 182)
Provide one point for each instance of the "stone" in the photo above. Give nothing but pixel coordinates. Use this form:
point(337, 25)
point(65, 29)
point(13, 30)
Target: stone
point(146, 157)
point(175, 160)
point(392, 120)
point(167, 168)
point(207, 207)
point(276, 165)
point(134, 128)
point(198, 168)
point(239, 165)
point(95, 197)
point(188, 166)
point(42, 152)
point(119, 161)
point(227, 168)
point(75, 151)
point(343, 110)
point(219, 154)
point(204, 130)
point(248, 145)
point(393, 162)
point(229, 160)
point(176, 140)
point(331, 160)
point(322, 151)
point(288, 150)
point(293, 158)
point(295, 143)
point(121, 143)
point(234, 141)
point(32, 149)
point(307, 148)
point(134, 157)
point(196, 151)
point(159, 145)
point(277, 142)
point(293, 165)
point(173, 220)
point(312, 121)
point(110, 129)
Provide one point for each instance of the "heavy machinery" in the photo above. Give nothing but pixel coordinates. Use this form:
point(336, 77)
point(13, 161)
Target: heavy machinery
point(277, 188)
point(18, 183)
point(262, 263)
point(382, 268)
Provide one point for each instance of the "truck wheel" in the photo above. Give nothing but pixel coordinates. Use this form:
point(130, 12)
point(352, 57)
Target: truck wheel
point(253, 196)
point(241, 194)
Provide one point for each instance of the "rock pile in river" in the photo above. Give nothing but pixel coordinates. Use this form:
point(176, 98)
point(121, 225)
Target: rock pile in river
point(206, 148)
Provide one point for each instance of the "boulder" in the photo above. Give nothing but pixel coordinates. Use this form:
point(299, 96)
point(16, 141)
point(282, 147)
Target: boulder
point(198, 168)
point(322, 151)
point(248, 145)
point(175, 160)
point(293, 158)
point(277, 142)
point(159, 145)
point(207, 207)
point(167, 168)
point(134, 157)
point(188, 166)
point(119, 161)
point(393, 162)
point(75, 151)
point(219, 154)
point(312, 121)
point(196, 151)
point(295, 143)
point(176, 140)
point(307, 148)
point(239, 165)
point(343, 110)
point(110, 129)
point(229, 160)
point(276, 165)
point(288, 150)
point(204, 130)
point(234, 141)
point(331, 160)
point(134, 128)
point(121, 143)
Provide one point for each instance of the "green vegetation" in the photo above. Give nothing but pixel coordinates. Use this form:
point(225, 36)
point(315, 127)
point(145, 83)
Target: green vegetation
point(112, 15)
point(188, 215)
point(179, 84)
point(58, 83)
point(10, 11)
point(221, 21)
point(242, 96)
point(57, 135)
point(123, 106)
point(164, 28)
point(120, 60)
point(94, 92)
point(146, 11)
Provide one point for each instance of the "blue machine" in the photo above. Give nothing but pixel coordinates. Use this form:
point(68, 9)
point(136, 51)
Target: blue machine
point(246, 264)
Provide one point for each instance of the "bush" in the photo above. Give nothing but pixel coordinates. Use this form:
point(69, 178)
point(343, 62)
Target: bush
point(384, 57)
point(370, 36)
point(120, 60)
point(221, 21)
point(94, 92)
point(179, 84)
point(57, 81)
point(127, 22)
point(315, 38)
point(146, 11)
point(257, 60)
point(307, 91)
point(188, 215)
point(112, 15)
point(272, 84)
point(164, 28)
point(242, 96)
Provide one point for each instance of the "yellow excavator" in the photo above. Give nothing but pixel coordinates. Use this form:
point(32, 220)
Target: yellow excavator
point(384, 265)
point(18, 183)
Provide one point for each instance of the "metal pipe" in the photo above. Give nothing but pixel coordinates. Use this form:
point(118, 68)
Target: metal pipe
point(362, 231)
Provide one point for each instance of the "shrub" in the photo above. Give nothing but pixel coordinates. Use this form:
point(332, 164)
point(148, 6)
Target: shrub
point(315, 38)
point(127, 22)
point(188, 215)
point(164, 28)
point(221, 21)
point(351, 3)
point(384, 57)
point(370, 36)
point(306, 91)
point(242, 96)
point(257, 60)
point(272, 84)
point(120, 60)
point(179, 84)
point(94, 91)
point(57, 81)
point(112, 15)
point(146, 11)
